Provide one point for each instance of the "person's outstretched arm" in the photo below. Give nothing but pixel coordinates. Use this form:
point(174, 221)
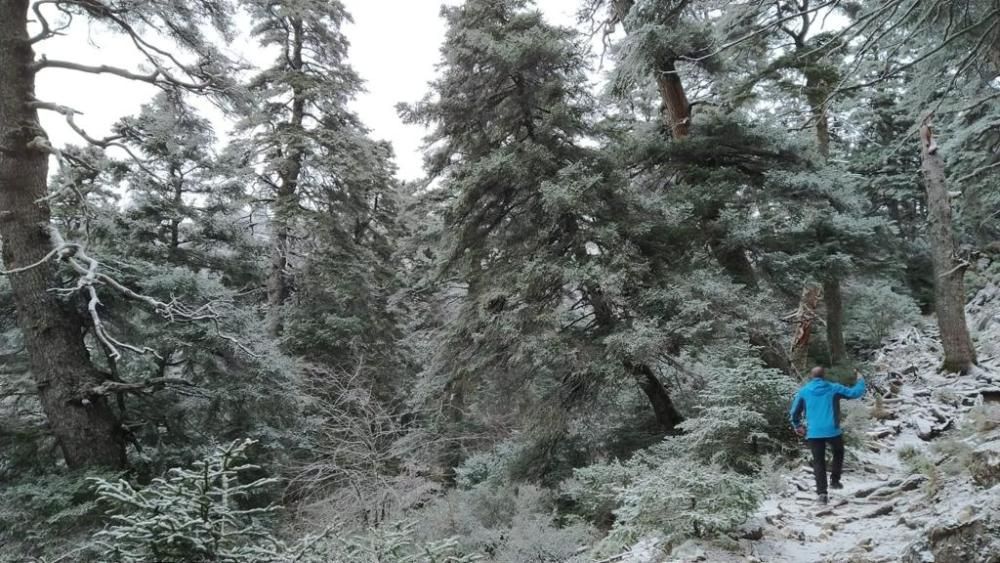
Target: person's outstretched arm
point(851, 392)
point(795, 413)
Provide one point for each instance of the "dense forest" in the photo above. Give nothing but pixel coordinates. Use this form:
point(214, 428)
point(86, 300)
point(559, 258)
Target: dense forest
point(582, 328)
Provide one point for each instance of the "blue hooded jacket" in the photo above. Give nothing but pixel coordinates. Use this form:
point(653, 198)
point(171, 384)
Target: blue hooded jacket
point(819, 401)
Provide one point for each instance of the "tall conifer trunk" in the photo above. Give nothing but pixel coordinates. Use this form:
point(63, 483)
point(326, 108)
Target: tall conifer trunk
point(663, 407)
point(834, 302)
point(676, 109)
point(85, 427)
point(659, 398)
point(817, 91)
point(286, 198)
point(804, 318)
point(949, 271)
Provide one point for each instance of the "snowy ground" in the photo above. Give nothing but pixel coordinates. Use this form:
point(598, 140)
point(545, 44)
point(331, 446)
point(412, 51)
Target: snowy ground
point(884, 507)
point(887, 512)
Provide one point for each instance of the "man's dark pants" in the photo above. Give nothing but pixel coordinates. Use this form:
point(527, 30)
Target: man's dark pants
point(818, 447)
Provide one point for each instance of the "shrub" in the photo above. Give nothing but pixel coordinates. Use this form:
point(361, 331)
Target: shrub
point(395, 543)
point(856, 421)
point(47, 515)
point(956, 455)
point(873, 310)
point(503, 523)
point(491, 467)
point(662, 492)
point(194, 514)
point(594, 490)
point(984, 417)
point(918, 462)
point(703, 482)
point(742, 415)
point(534, 539)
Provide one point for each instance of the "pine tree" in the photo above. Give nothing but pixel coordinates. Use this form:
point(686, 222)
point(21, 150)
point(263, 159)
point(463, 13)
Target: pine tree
point(332, 200)
point(301, 136)
point(84, 424)
point(949, 273)
point(194, 514)
point(535, 225)
point(184, 205)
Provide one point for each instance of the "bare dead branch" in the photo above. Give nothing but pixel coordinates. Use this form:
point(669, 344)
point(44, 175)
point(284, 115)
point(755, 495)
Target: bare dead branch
point(111, 141)
point(154, 384)
point(47, 31)
point(977, 172)
point(90, 277)
point(764, 29)
point(43, 260)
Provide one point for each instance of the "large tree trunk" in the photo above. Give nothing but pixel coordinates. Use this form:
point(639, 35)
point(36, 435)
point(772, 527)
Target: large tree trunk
point(771, 352)
point(286, 198)
point(804, 318)
point(277, 280)
point(85, 427)
point(736, 263)
point(663, 407)
point(949, 271)
point(659, 398)
point(834, 320)
point(676, 109)
point(817, 92)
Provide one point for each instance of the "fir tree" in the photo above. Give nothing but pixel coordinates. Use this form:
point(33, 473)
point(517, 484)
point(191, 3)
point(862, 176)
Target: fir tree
point(304, 144)
point(534, 224)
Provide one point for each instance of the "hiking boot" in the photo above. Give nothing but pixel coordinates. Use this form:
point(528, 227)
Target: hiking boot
point(822, 499)
point(836, 485)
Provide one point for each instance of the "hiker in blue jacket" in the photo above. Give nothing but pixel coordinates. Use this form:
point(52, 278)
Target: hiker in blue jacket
point(819, 401)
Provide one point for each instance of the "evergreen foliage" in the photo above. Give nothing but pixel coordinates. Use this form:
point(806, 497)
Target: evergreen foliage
point(874, 311)
point(192, 514)
point(571, 335)
point(704, 482)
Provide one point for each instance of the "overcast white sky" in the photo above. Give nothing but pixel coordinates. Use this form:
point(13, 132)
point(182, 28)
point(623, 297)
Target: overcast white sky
point(394, 46)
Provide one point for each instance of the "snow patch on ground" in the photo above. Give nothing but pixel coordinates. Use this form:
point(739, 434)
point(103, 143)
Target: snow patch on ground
point(886, 512)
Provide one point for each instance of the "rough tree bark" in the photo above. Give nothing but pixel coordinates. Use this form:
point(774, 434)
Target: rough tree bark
point(659, 398)
point(949, 270)
point(663, 407)
point(676, 109)
point(834, 303)
point(286, 198)
point(804, 318)
point(84, 425)
point(677, 115)
point(818, 91)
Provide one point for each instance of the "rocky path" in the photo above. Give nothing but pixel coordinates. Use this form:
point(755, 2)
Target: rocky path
point(885, 508)
point(943, 506)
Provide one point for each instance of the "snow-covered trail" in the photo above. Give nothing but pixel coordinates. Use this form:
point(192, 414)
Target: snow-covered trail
point(887, 512)
point(884, 506)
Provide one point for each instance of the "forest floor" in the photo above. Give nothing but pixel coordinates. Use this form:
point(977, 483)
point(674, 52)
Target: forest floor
point(922, 484)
